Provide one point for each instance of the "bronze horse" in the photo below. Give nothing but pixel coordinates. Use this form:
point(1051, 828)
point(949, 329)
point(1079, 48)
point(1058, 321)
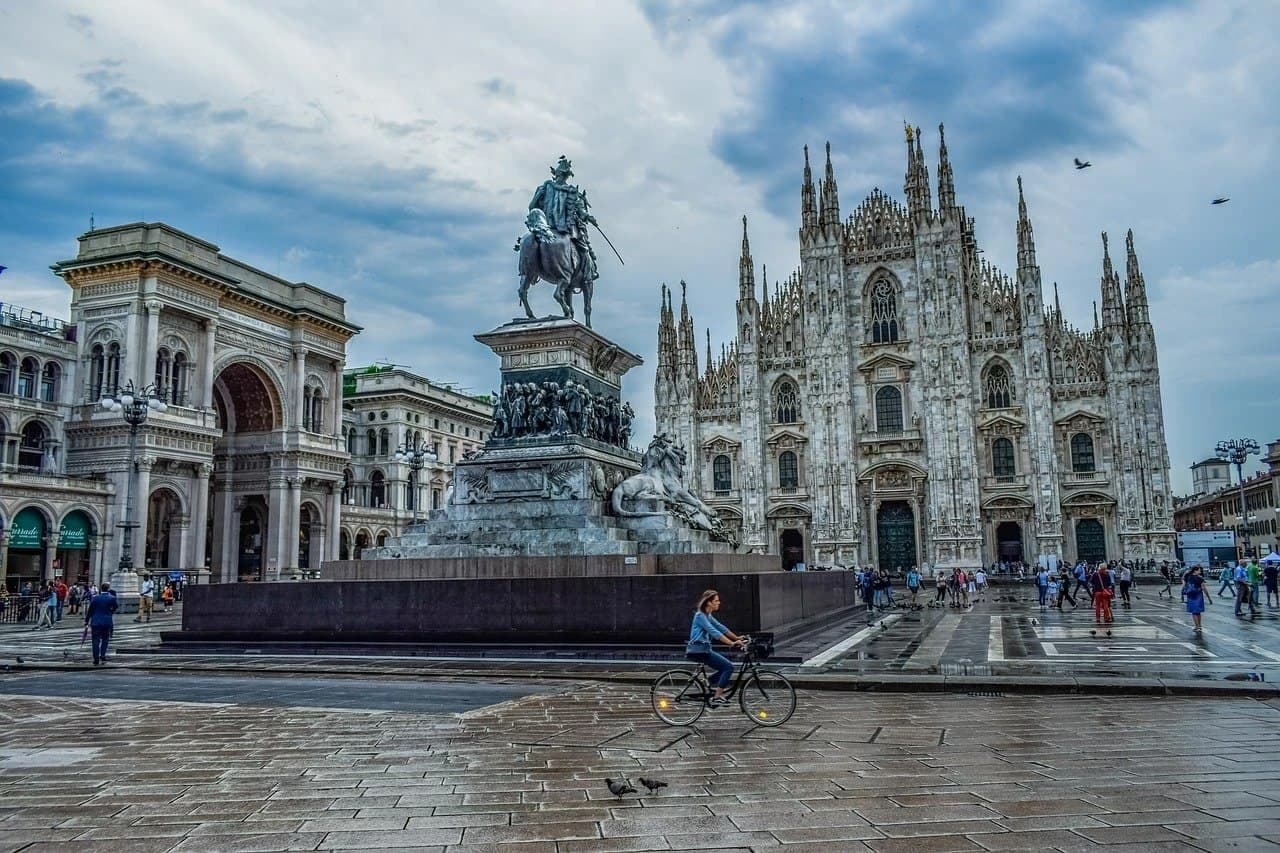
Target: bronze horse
point(553, 258)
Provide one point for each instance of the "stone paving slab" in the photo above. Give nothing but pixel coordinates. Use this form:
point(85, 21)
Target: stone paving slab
point(851, 771)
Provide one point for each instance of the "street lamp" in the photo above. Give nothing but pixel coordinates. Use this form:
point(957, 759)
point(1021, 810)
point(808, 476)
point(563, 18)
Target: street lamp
point(416, 454)
point(1236, 451)
point(133, 405)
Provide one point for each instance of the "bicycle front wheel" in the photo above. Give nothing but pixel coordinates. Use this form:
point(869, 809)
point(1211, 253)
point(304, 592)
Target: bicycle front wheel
point(767, 698)
point(678, 697)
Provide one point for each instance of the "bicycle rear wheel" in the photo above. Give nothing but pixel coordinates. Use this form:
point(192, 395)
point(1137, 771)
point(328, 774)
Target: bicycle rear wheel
point(678, 697)
point(767, 698)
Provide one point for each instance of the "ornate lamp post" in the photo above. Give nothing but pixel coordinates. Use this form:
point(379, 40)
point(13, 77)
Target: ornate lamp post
point(134, 406)
point(1237, 451)
point(416, 455)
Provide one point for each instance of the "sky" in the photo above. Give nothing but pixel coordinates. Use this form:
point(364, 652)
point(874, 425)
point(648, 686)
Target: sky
point(386, 151)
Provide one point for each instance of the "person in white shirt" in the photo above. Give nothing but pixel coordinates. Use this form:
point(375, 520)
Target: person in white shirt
point(147, 600)
point(980, 579)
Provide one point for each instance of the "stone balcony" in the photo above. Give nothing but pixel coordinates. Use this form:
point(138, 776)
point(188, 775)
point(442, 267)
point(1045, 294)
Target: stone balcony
point(1084, 478)
point(1010, 483)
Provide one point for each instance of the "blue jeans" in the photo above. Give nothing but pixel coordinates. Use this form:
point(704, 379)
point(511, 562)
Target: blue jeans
point(721, 664)
point(1044, 594)
point(101, 636)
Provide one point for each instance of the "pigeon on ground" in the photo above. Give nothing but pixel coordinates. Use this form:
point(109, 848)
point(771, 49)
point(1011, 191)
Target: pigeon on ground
point(1222, 200)
point(1093, 632)
point(1082, 164)
point(652, 784)
point(1108, 632)
point(19, 660)
point(619, 788)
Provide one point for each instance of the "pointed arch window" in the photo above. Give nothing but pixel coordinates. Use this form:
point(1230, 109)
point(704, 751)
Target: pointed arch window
point(1003, 463)
point(722, 473)
point(889, 409)
point(788, 470)
point(1082, 458)
point(999, 388)
point(884, 313)
point(786, 404)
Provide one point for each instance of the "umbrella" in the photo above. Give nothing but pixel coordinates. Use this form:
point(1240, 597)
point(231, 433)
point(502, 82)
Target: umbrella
point(1273, 557)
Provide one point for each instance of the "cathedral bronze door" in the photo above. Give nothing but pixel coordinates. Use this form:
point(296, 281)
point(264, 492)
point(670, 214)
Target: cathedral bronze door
point(1091, 540)
point(895, 536)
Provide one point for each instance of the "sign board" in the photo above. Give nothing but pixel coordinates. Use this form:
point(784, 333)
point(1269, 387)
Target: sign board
point(1196, 557)
point(27, 531)
point(1207, 539)
point(73, 535)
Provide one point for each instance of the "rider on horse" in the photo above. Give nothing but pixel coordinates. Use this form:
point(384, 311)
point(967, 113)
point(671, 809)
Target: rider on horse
point(568, 212)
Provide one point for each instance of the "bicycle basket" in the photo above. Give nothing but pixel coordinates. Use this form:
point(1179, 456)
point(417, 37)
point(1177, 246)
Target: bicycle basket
point(761, 646)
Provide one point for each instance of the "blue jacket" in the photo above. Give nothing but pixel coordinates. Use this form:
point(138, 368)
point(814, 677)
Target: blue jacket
point(704, 627)
point(101, 606)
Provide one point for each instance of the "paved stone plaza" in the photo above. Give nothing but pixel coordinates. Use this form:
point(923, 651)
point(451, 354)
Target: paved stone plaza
point(849, 772)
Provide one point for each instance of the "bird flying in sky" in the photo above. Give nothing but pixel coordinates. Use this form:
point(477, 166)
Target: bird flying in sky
point(1082, 164)
point(1222, 200)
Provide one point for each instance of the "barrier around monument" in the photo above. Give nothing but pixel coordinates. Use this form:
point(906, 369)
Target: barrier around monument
point(639, 609)
point(573, 565)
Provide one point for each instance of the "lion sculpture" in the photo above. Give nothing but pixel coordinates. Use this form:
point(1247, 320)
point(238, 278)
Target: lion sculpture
point(661, 479)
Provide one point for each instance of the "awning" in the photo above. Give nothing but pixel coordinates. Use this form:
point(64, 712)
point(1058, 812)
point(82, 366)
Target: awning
point(27, 531)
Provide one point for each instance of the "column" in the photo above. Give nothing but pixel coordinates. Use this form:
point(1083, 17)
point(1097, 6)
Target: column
point(206, 372)
point(335, 520)
point(200, 515)
point(277, 519)
point(50, 554)
point(226, 529)
point(132, 348)
point(146, 372)
point(336, 398)
point(295, 524)
point(299, 382)
point(4, 556)
point(96, 572)
point(141, 505)
point(177, 555)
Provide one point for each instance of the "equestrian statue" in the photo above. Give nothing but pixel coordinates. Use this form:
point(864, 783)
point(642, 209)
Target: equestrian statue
point(557, 248)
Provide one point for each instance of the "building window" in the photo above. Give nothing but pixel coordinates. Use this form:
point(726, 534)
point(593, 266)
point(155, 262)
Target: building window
point(999, 390)
point(113, 368)
point(31, 445)
point(350, 436)
point(721, 475)
point(164, 366)
point(788, 470)
point(27, 377)
point(1082, 461)
point(8, 369)
point(384, 442)
point(1002, 462)
point(348, 486)
point(49, 382)
point(889, 409)
point(884, 313)
point(786, 409)
point(371, 443)
point(377, 490)
point(178, 380)
point(435, 498)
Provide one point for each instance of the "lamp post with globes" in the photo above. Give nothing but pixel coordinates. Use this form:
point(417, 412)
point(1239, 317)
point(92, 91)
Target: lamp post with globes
point(133, 405)
point(416, 455)
point(1237, 451)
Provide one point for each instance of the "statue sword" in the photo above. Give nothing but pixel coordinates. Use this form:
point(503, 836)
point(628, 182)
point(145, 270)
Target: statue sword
point(610, 242)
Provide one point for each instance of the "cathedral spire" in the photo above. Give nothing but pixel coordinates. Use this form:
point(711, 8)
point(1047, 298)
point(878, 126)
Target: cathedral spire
point(1026, 237)
point(808, 199)
point(830, 195)
point(917, 183)
point(946, 181)
point(1095, 314)
point(1135, 289)
point(1112, 301)
point(687, 347)
point(1057, 303)
point(925, 190)
point(764, 299)
point(746, 268)
point(666, 334)
point(708, 349)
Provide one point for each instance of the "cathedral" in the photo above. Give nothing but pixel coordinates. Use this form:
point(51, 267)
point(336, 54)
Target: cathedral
point(897, 400)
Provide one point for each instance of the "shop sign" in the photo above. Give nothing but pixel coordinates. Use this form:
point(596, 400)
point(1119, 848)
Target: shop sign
point(74, 533)
point(27, 531)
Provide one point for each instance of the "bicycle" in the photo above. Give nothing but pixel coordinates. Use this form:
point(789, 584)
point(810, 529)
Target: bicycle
point(680, 697)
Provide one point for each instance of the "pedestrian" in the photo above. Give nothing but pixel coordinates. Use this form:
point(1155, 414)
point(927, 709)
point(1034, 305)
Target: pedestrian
point(99, 617)
point(1042, 587)
point(1100, 585)
point(1064, 590)
point(1227, 575)
point(73, 599)
point(60, 587)
point(970, 586)
point(1244, 593)
point(1081, 575)
point(913, 584)
point(940, 583)
point(1126, 581)
point(1167, 576)
point(146, 600)
point(1193, 587)
point(1255, 580)
point(167, 596)
point(1271, 579)
point(48, 603)
point(980, 579)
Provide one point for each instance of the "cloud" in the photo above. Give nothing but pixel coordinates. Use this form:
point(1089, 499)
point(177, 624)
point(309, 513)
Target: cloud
point(325, 144)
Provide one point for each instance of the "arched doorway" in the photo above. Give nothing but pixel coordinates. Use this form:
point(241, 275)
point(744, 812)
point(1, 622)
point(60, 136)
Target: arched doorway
point(164, 510)
point(245, 400)
point(363, 541)
point(253, 529)
point(1091, 540)
point(1009, 545)
point(791, 546)
point(895, 536)
point(73, 546)
point(344, 546)
point(309, 534)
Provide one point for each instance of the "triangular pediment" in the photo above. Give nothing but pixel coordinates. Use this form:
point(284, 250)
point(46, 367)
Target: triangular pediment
point(1080, 419)
point(1002, 423)
point(787, 438)
point(886, 359)
point(720, 444)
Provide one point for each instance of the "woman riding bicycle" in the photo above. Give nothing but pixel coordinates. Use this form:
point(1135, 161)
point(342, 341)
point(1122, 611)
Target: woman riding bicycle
point(701, 632)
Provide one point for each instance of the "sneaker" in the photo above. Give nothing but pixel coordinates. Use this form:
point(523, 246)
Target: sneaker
point(718, 702)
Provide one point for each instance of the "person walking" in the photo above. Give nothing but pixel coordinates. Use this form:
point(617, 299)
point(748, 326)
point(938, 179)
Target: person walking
point(1126, 581)
point(99, 616)
point(1193, 587)
point(1064, 590)
point(47, 602)
point(1081, 573)
point(913, 584)
point(60, 588)
point(146, 600)
point(1042, 587)
point(1167, 576)
point(980, 583)
point(167, 598)
point(1227, 575)
point(1255, 580)
point(1271, 580)
point(1244, 594)
point(1102, 588)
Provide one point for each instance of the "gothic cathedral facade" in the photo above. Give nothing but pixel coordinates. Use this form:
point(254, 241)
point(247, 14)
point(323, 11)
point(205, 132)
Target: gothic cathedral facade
point(898, 401)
